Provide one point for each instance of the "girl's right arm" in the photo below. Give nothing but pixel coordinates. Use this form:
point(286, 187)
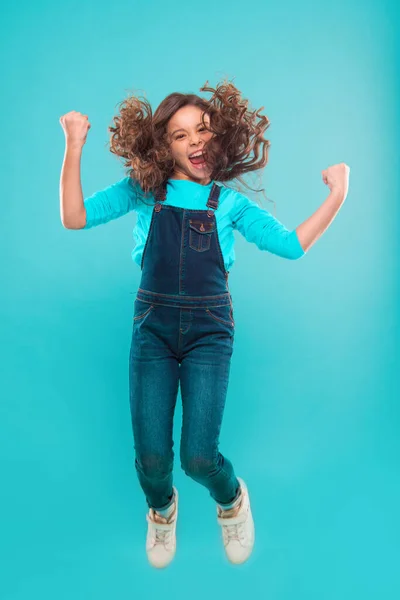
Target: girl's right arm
point(104, 205)
point(72, 209)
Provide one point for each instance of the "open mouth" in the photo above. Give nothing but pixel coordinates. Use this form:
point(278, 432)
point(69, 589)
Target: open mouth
point(198, 160)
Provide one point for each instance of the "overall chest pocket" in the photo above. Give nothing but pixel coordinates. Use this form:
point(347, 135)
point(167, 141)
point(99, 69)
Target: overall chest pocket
point(200, 233)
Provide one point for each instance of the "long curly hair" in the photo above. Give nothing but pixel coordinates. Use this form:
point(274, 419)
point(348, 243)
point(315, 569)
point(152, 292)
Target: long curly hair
point(236, 148)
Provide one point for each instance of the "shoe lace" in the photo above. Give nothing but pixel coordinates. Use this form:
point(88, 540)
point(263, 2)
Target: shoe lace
point(161, 536)
point(234, 532)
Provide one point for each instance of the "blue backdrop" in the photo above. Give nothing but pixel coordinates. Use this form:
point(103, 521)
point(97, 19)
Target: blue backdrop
point(312, 415)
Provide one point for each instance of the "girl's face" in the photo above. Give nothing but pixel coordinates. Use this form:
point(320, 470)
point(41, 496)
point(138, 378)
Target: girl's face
point(187, 136)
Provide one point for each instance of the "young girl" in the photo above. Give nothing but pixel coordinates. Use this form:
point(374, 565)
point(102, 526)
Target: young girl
point(183, 322)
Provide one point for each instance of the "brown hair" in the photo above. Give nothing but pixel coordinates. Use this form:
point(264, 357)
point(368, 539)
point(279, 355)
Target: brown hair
point(237, 147)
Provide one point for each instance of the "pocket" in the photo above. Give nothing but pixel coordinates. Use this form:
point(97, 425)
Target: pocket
point(141, 310)
point(223, 314)
point(200, 233)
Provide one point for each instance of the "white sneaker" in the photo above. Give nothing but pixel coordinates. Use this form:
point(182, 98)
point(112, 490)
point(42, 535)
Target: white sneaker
point(161, 536)
point(238, 532)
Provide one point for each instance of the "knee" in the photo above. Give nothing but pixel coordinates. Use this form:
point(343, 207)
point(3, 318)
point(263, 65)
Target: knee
point(197, 466)
point(154, 466)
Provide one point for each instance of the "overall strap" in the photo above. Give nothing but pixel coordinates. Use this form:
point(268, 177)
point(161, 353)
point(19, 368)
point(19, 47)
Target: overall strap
point(213, 199)
point(160, 195)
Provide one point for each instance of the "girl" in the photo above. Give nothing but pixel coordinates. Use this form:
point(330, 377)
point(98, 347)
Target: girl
point(183, 322)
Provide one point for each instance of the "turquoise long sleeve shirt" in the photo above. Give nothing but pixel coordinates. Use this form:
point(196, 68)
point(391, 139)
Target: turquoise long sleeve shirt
point(235, 211)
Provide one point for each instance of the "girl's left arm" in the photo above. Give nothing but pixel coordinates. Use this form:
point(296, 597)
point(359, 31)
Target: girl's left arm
point(337, 178)
point(268, 233)
point(313, 227)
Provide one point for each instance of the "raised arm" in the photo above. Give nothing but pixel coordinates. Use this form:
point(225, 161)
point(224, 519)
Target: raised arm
point(110, 203)
point(104, 205)
point(260, 227)
point(263, 229)
point(72, 211)
point(337, 178)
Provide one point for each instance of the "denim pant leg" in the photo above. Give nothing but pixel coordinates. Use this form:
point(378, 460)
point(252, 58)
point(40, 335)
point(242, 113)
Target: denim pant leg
point(204, 377)
point(153, 388)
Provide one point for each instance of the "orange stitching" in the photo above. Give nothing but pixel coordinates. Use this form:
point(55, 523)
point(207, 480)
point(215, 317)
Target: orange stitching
point(231, 323)
point(143, 314)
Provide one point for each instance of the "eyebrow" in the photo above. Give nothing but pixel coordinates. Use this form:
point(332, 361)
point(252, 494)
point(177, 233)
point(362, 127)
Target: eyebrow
point(182, 129)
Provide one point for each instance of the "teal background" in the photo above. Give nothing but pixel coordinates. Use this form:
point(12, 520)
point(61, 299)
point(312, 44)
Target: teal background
point(312, 416)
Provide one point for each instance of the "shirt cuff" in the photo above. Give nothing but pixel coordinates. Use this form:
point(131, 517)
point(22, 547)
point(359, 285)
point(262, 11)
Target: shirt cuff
point(298, 251)
point(89, 215)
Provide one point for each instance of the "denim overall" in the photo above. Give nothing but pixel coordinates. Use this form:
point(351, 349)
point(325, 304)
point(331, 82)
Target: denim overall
point(183, 332)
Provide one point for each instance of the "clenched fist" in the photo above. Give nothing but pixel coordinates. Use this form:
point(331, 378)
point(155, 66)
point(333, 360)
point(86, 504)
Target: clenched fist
point(336, 177)
point(75, 126)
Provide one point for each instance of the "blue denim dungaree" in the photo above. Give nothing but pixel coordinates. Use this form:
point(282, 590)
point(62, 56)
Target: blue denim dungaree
point(183, 332)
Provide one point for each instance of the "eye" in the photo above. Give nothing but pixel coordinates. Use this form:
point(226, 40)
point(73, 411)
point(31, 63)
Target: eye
point(182, 134)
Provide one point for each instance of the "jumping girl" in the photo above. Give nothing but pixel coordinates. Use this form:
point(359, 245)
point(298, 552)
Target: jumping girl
point(179, 159)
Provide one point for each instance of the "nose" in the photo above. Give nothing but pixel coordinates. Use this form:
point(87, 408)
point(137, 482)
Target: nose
point(195, 139)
